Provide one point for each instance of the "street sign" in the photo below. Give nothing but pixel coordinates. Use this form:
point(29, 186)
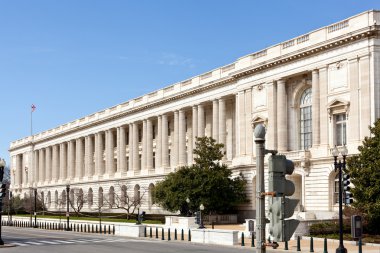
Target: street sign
point(251, 226)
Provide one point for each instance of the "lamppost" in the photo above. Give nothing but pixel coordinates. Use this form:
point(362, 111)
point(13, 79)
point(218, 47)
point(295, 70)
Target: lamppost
point(201, 208)
point(35, 208)
point(31, 206)
point(338, 165)
point(188, 206)
point(138, 221)
point(68, 207)
point(2, 165)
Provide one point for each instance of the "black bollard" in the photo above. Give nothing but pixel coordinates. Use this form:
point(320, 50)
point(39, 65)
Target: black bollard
point(150, 232)
point(109, 229)
point(96, 229)
point(182, 236)
point(325, 246)
point(286, 245)
point(113, 230)
point(156, 232)
point(311, 244)
point(175, 234)
point(189, 236)
point(242, 239)
point(162, 234)
point(168, 234)
point(145, 235)
point(298, 243)
point(360, 245)
point(252, 240)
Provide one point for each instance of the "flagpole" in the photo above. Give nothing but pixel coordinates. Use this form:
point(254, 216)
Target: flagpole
point(31, 122)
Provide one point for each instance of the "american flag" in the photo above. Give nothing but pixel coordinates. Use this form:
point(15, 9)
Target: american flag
point(33, 107)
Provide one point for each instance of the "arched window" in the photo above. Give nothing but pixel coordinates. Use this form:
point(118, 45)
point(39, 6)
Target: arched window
point(48, 199)
point(137, 194)
point(336, 189)
point(100, 197)
point(63, 198)
point(305, 120)
point(90, 197)
point(151, 200)
point(56, 199)
point(111, 196)
point(124, 195)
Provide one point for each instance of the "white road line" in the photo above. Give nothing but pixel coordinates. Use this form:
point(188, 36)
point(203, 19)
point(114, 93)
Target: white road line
point(34, 243)
point(19, 244)
point(67, 242)
point(49, 242)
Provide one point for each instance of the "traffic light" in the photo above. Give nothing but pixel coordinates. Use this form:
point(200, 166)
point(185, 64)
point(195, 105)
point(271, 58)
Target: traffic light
point(346, 188)
point(3, 190)
point(197, 218)
point(281, 208)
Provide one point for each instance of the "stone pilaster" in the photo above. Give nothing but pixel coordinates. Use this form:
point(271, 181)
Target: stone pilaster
point(55, 163)
point(130, 147)
point(315, 107)
point(42, 166)
point(201, 121)
point(182, 138)
point(36, 168)
point(121, 156)
point(354, 119)
point(149, 144)
point(195, 130)
point(71, 159)
point(174, 150)
point(165, 144)
point(248, 119)
point(282, 124)
point(222, 123)
point(365, 96)
point(63, 161)
point(110, 164)
point(215, 120)
point(144, 146)
point(324, 124)
point(159, 143)
point(79, 157)
point(241, 123)
point(136, 160)
point(48, 163)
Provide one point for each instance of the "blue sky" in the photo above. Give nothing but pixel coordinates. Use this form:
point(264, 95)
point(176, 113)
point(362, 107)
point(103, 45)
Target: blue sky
point(72, 58)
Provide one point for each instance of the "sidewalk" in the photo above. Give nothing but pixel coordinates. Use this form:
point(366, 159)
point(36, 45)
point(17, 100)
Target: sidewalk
point(305, 242)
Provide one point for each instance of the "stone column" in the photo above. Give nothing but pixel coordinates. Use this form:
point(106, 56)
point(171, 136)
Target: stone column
point(99, 154)
point(241, 122)
point(79, 157)
point(195, 131)
point(201, 121)
point(149, 144)
point(110, 166)
point(87, 156)
point(62, 161)
point(222, 123)
point(248, 119)
point(165, 144)
point(315, 108)
point(19, 170)
point(282, 125)
point(159, 143)
point(55, 163)
point(215, 120)
point(36, 173)
point(41, 163)
point(121, 156)
point(136, 162)
point(174, 151)
point(72, 159)
point(130, 147)
point(365, 96)
point(324, 125)
point(48, 167)
point(144, 146)
point(182, 138)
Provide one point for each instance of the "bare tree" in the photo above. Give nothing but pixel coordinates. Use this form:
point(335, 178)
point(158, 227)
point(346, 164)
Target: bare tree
point(124, 200)
point(77, 200)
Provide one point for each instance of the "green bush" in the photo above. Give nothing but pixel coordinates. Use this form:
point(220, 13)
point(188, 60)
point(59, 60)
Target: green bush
point(330, 227)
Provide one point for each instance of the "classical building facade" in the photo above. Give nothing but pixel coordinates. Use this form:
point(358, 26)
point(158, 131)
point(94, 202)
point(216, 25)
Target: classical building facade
point(312, 92)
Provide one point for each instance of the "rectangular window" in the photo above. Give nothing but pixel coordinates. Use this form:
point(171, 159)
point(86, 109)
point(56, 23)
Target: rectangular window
point(154, 131)
point(340, 129)
point(306, 128)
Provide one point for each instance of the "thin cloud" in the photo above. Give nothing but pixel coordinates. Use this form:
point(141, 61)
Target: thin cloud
point(171, 59)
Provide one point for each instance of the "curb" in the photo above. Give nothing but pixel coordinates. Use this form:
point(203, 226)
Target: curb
point(345, 241)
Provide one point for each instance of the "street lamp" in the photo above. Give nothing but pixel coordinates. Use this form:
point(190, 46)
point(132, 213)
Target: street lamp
point(138, 221)
point(201, 208)
point(68, 207)
point(35, 208)
point(2, 165)
point(188, 206)
point(338, 165)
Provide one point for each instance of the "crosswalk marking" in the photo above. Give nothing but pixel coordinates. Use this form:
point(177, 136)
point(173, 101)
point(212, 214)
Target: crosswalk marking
point(73, 241)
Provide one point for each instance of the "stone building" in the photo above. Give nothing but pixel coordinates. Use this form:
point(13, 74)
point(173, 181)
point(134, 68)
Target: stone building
point(312, 92)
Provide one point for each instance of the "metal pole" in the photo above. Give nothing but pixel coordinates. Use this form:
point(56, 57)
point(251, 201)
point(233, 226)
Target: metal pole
point(35, 208)
point(68, 207)
point(260, 187)
point(1, 220)
point(339, 165)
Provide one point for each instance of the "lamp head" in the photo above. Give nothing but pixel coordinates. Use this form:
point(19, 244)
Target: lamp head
point(344, 151)
point(202, 207)
point(335, 152)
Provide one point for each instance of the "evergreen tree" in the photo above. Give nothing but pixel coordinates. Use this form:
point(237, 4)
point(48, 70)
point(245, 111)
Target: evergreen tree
point(206, 182)
point(364, 170)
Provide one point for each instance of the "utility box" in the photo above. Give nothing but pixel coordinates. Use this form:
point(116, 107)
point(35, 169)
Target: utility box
point(356, 226)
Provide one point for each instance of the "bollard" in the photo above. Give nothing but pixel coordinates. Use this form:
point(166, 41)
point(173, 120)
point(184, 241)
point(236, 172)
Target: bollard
point(105, 229)
point(71, 227)
point(311, 244)
point(150, 232)
point(298, 243)
point(212, 224)
point(360, 245)
point(168, 234)
point(100, 229)
point(144, 231)
point(113, 230)
point(325, 246)
point(109, 229)
point(286, 245)
point(252, 240)
point(182, 236)
point(242, 239)
point(162, 234)
point(189, 236)
point(92, 225)
point(175, 234)
point(96, 229)
point(156, 233)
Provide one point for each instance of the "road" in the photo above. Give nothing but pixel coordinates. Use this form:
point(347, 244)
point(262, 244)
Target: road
point(36, 240)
